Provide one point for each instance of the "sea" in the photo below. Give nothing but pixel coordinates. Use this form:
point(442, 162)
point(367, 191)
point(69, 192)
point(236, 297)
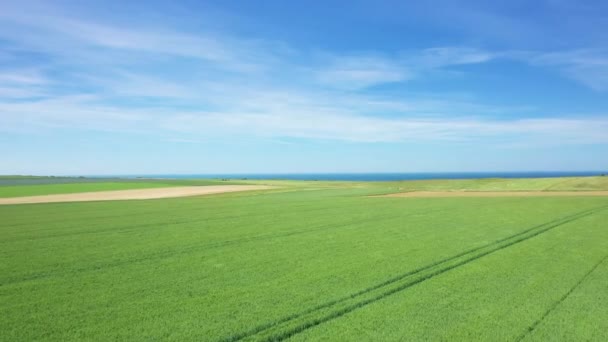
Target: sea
point(301, 176)
point(375, 176)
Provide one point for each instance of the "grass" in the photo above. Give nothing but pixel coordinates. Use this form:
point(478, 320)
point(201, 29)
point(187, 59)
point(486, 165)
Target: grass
point(18, 177)
point(510, 184)
point(310, 261)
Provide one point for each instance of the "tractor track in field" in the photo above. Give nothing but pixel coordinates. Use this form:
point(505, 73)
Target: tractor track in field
point(296, 323)
point(554, 306)
point(195, 248)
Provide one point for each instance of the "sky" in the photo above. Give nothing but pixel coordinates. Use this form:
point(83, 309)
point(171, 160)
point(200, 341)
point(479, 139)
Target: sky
point(195, 87)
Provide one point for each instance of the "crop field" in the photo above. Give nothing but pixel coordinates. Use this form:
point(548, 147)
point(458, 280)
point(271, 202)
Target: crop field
point(310, 261)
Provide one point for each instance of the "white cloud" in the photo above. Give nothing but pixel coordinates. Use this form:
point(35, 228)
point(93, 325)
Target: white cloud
point(358, 71)
point(12, 92)
point(22, 83)
point(35, 27)
point(22, 77)
point(446, 56)
point(354, 72)
point(302, 117)
point(589, 66)
point(136, 85)
point(211, 85)
point(355, 128)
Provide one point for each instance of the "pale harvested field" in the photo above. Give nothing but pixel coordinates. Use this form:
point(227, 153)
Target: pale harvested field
point(428, 194)
point(137, 194)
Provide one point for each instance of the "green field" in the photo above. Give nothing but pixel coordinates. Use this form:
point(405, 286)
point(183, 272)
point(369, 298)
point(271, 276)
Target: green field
point(310, 261)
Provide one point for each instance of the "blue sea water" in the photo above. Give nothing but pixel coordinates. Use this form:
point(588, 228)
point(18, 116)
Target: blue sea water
point(305, 176)
point(382, 176)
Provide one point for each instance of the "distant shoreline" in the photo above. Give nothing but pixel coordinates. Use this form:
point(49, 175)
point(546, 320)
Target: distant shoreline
point(354, 176)
point(376, 176)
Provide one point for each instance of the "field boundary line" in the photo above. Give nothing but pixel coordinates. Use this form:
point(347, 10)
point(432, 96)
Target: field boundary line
point(398, 283)
point(554, 306)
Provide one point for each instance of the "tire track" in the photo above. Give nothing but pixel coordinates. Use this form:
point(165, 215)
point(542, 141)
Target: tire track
point(532, 327)
point(288, 326)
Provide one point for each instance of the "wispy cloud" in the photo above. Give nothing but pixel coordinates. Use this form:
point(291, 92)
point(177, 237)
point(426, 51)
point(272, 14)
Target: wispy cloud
point(588, 66)
point(22, 83)
point(354, 72)
point(362, 70)
point(22, 77)
point(367, 129)
point(34, 27)
point(308, 118)
point(160, 81)
point(446, 56)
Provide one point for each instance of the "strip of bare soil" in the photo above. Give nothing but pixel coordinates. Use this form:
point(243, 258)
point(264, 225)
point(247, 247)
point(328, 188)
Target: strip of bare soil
point(137, 194)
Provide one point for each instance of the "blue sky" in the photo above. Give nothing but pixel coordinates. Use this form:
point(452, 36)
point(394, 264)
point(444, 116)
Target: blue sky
point(128, 87)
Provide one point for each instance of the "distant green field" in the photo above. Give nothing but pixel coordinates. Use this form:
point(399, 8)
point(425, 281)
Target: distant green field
point(511, 184)
point(21, 177)
point(16, 186)
point(311, 261)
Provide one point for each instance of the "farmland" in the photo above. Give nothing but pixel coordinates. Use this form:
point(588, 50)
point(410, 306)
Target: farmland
point(308, 261)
